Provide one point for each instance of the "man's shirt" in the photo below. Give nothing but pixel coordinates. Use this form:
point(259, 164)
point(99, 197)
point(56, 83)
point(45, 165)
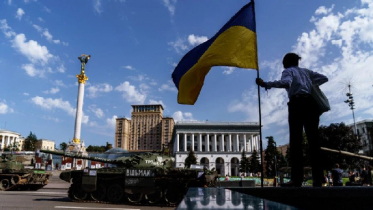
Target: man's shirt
point(297, 80)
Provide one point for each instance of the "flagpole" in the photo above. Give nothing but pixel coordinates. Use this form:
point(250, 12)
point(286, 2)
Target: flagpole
point(260, 112)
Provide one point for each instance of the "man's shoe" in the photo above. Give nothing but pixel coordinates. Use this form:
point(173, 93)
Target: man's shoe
point(291, 184)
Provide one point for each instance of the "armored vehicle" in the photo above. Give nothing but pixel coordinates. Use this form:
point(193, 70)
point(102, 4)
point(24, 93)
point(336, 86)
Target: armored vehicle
point(14, 176)
point(148, 178)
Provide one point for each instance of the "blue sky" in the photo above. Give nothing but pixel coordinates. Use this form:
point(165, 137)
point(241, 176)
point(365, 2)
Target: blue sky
point(135, 45)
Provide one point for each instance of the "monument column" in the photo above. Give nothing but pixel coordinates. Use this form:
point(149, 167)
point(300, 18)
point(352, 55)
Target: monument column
point(79, 107)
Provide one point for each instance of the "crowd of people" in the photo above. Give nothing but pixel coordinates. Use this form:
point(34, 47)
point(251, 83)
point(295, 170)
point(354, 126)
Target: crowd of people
point(363, 178)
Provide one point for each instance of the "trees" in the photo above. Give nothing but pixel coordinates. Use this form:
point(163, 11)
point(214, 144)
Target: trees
point(271, 155)
point(244, 163)
point(30, 142)
point(254, 162)
point(63, 146)
point(338, 136)
point(191, 159)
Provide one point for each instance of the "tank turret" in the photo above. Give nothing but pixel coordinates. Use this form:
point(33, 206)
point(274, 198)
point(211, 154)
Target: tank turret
point(13, 175)
point(148, 178)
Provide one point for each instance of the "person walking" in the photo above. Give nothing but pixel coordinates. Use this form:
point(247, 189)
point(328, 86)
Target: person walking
point(337, 175)
point(303, 113)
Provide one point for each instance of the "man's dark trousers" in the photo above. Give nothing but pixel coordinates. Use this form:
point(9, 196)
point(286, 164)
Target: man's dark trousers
point(303, 113)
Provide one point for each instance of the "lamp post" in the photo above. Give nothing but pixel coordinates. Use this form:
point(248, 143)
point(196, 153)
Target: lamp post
point(275, 164)
point(351, 104)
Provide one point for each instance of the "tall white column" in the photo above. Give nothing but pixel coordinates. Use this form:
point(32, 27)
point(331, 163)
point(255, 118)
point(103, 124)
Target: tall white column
point(244, 142)
point(222, 143)
point(192, 142)
point(237, 143)
point(207, 143)
point(229, 143)
point(200, 142)
point(215, 146)
point(177, 142)
point(185, 142)
point(251, 143)
point(79, 113)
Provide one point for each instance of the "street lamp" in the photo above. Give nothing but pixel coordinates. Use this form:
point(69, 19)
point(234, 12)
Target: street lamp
point(351, 104)
point(275, 164)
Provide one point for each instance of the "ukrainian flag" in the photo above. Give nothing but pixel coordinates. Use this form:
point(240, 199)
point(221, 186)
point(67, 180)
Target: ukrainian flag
point(234, 45)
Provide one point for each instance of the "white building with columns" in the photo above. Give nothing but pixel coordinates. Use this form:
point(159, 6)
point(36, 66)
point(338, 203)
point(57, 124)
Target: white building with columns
point(8, 138)
point(217, 145)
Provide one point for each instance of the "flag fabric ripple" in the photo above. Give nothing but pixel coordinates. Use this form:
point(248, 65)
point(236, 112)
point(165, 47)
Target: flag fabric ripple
point(234, 45)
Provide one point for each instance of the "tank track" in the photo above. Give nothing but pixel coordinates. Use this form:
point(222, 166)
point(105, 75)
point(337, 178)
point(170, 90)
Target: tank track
point(76, 194)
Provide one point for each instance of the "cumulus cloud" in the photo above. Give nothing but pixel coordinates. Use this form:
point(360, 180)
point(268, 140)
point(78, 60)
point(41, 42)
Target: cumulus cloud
point(50, 104)
point(169, 86)
point(228, 70)
point(95, 90)
point(97, 6)
point(129, 67)
point(170, 5)
point(7, 30)
point(31, 49)
point(130, 94)
point(32, 71)
point(20, 13)
point(180, 116)
point(196, 40)
point(5, 109)
point(157, 102)
point(97, 111)
point(61, 68)
point(179, 45)
point(52, 91)
point(111, 122)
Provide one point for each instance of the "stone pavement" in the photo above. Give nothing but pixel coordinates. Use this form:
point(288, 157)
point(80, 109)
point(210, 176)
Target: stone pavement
point(55, 182)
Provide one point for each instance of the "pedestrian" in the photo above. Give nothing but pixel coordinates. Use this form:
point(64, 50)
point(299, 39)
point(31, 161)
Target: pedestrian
point(337, 175)
point(364, 177)
point(227, 177)
point(303, 113)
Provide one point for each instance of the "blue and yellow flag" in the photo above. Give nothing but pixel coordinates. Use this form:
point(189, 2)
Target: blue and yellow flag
point(234, 45)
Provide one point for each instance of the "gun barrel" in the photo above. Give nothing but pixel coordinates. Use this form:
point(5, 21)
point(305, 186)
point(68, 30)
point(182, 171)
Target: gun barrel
point(79, 156)
point(347, 153)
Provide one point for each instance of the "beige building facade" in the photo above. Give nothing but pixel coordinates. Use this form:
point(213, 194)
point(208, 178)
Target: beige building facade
point(45, 144)
point(146, 130)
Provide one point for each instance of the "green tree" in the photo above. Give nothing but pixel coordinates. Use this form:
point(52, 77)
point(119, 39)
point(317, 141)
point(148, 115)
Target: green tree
point(254, 162)
point(30, 142)
point(191, 159)
point(63, 146)
point(244, 163)
point(271, 155)
point(281, 161)
point(99, 149)
point(338, 136)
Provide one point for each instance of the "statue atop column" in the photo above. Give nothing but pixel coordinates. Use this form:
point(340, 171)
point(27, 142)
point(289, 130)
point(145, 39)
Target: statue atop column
point(84, 60)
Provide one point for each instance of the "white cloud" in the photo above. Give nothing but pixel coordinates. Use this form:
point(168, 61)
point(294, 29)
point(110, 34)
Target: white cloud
point(179, 45)
point(93, 91)
point(40, 19)
point(129, 67)
point(31, 49)
point(180, 116)
point(323, 10)
point(168, 87)
point(59, 83)
point(9, 2)
point(130, 93)
point(97, 111)
point(157, 102)
point(52, 91)
point(50, 104)
point(196, 40)
point(97, 6)
point(170, 5)
point(37, 27)
point(20, 13)
point(32, 71)
point(228, 70)
point(111, 122)
point(5, 109)
point(47, 35)
point(7, 30)
point(26, 94)
point(61, 68)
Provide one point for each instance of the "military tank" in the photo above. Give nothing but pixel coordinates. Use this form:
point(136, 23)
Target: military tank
point(143, 179)
point(14, 176)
